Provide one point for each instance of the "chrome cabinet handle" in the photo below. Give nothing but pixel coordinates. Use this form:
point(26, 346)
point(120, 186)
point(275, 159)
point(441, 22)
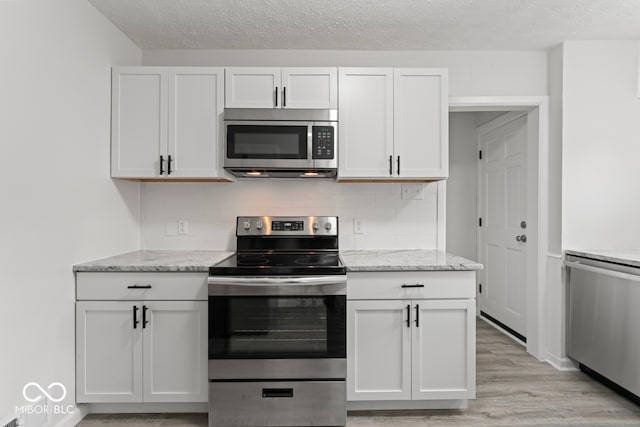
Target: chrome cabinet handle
point(276, 96)
point(390, 165)
point(161, 164)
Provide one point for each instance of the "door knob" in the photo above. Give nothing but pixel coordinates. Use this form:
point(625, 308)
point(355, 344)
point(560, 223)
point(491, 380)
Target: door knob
point(522, 238)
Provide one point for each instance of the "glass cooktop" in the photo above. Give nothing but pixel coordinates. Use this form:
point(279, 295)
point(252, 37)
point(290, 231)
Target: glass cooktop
point(279, 264)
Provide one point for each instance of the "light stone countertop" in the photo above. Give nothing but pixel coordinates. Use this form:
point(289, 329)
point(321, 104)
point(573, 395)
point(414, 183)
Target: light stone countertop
point(405, 260)
point(156, 260)
point(201, 260)
point(621, 256)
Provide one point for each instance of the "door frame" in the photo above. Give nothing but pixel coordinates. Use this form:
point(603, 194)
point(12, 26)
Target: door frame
point(537, 110)
point(496, 123)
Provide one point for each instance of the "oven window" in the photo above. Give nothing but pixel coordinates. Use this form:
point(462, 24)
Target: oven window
point(266, 142)
point(277, 327)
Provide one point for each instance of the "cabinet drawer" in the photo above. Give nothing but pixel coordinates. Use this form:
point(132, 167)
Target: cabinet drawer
point(388, 285)
point(141, 286)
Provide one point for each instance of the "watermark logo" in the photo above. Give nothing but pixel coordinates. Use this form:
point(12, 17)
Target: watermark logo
point(52, 387)
point(41, 399)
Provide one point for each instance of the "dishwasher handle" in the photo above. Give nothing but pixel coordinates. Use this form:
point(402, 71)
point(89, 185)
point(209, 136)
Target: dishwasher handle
point(605, 272)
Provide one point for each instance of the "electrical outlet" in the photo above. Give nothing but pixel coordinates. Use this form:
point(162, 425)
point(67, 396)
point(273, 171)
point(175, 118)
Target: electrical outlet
point(183, 226)
point(412, 191)
point(358, 226)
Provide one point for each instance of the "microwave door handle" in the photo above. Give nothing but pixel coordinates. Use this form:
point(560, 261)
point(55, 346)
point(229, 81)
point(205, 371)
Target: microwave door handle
point(278, 281)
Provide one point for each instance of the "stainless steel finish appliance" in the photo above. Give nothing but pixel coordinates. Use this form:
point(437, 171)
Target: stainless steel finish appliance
point(277, 326)
point(603, 319)
point(281, 143)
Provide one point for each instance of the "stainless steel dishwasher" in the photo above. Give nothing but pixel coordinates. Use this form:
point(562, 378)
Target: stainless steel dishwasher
point(604, 321)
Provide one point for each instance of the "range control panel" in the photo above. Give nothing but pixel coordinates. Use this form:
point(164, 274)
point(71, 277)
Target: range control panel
point(287, 226)
point(323, 142)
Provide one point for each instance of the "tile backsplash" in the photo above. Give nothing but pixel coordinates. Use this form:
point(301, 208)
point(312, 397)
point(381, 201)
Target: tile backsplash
point(389, 221)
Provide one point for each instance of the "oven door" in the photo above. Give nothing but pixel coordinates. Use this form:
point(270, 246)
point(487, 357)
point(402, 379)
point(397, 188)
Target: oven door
point(268, 144)
point(277, 327)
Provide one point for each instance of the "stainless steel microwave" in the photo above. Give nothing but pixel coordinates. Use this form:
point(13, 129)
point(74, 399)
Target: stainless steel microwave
point(281, 143)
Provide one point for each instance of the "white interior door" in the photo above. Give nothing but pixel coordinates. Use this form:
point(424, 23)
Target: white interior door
point(502, 197)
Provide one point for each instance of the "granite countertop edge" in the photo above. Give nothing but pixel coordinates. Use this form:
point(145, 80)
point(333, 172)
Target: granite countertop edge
point(355, 260)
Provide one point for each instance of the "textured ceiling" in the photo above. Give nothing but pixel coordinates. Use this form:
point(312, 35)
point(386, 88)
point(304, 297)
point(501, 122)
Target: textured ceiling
point(370, 24)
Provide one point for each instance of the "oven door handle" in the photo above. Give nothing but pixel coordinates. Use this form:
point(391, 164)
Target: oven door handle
point(278, 281)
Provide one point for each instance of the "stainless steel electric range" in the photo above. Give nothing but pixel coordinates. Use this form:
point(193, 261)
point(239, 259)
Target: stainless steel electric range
point(277, 326)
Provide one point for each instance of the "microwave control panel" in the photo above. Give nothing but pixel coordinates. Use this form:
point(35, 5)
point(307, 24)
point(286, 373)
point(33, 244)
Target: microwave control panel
point(323, 142)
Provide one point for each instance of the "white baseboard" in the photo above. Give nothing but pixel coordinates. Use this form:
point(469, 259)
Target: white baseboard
point(384, 405)
point(70, 420)
point(560, 363)
point(132, 408)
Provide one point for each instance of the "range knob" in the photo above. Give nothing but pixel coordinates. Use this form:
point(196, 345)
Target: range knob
point(246, 225)
point(327, 226)
point(315, 226)
point(259, 225)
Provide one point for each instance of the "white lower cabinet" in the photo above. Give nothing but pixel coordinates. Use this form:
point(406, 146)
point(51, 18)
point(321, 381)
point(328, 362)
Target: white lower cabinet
point(139, 350)
point(412, 347)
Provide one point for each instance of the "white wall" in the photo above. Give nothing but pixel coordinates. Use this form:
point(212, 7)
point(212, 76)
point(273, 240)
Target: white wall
point(211, 209)
point(462, 185)
point(58, 205)
point(555, 290)
point(601, 134)
point(484, 73)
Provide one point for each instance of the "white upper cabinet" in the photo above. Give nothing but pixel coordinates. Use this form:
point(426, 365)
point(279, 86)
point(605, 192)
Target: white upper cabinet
point(138, 121)
point(196, 105)
point(166, 122)
point(421, 123)
point(264, 87)
point(252, 87)
point(365, 125)
point(393, 124)
point(310, 88)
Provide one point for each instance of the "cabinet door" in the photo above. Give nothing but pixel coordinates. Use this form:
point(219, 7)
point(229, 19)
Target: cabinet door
point(309, 87)
point(421, 123)
point(366, 122)
point(443, 360)
point(196, 104)
point(108, 352)
point(378, 350)
point(138, 121)
point(175, 351)
point(252, 87)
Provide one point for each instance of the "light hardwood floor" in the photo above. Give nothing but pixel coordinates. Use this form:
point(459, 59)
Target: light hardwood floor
point(513, 389)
